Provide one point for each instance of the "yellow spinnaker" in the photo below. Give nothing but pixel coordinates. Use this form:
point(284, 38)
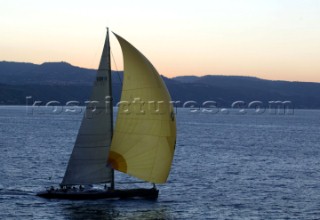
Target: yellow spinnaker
point(145, 133)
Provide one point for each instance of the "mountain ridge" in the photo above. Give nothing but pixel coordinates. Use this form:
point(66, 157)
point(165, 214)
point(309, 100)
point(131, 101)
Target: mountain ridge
point(62, 81)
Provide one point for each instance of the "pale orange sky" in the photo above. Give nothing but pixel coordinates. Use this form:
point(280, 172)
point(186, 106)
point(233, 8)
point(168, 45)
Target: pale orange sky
point(274, 39)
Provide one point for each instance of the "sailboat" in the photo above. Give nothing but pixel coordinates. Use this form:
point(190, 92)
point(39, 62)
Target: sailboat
point(142, 143)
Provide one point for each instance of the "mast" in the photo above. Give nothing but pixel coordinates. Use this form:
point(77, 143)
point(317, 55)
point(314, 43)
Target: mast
point(111, 101)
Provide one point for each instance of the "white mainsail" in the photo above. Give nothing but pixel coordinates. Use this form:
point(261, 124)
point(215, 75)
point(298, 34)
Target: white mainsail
point(87, 163)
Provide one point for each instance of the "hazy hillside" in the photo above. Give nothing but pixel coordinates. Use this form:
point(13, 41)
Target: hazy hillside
point(231, 88)
point(64, 82)
point(60, 73)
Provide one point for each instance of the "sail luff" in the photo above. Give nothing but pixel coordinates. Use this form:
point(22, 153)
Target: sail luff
point(87, 163)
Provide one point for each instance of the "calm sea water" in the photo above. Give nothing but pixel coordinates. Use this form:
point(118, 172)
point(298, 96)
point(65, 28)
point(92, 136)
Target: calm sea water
point(226, 166)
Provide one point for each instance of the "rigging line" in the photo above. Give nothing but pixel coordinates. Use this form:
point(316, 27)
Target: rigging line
point(115, 64)
point(95, 54)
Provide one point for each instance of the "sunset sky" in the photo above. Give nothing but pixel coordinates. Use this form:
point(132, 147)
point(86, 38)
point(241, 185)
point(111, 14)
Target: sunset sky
point(270, 39)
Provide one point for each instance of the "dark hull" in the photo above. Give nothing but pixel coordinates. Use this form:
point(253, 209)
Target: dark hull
point(100, 194)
